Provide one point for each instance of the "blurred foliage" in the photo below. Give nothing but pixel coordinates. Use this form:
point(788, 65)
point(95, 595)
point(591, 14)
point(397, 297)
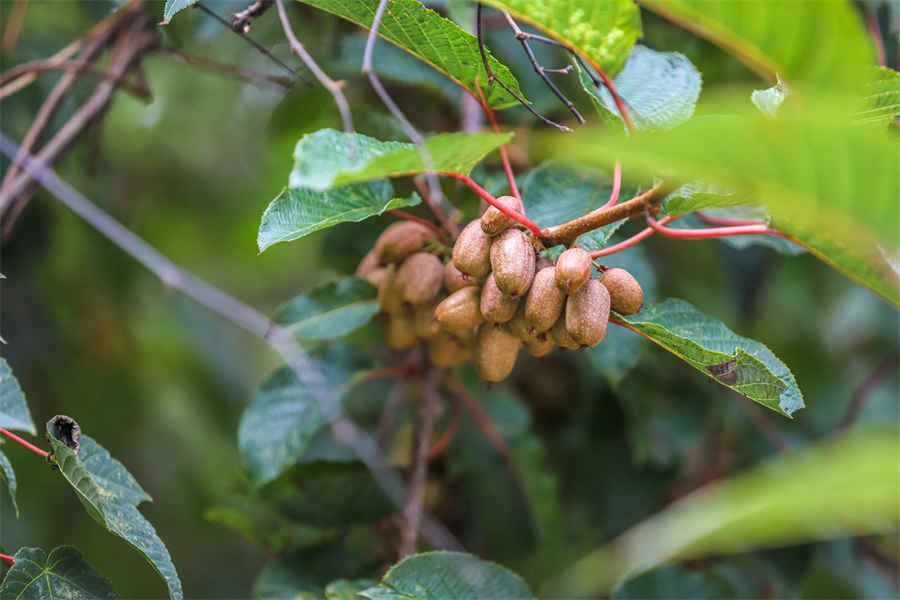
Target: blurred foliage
point(602, 439)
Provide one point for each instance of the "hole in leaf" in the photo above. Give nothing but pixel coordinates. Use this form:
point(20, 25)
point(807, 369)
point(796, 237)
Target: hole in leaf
point(67, 431)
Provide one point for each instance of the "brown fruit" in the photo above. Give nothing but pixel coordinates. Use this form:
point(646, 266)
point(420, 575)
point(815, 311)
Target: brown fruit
point(445, 350)
point(460, 310)
point(573, 269)
point(495, 306)
point(424, 322)
point(376, 276)
point(587, 313)
point(390, 297)
point(625, 293)
point(368, 264)
point(545, 301)
point(496, 350)
point(512, 262)
point(454, 279)
point(540, 347)
point(493, 221)
point(542, 263)
point(399, 333)
point(420, 277)
point(472, 251)
point(401, 239)
point(560, 335)
point(520, 327)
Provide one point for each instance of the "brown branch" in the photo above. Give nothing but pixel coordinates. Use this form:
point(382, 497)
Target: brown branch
point(567, 233)
point(229, 70)
point(447, 223)
point(50, 64)
point(429, 409)
point(14, 25)
point(882, 370)
point(241, 20)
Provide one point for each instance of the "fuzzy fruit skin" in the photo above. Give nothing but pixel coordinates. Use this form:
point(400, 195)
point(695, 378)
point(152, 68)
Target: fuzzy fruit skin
point(496, 350)
point(545, 301)
point(445, 350)
point(540, 347)
point(460, 310)
point(560, 335)
point(542, 263)
point(625, 292)
point(376, 276)
point(399, 333)
point(472, 251)
point(389, 295)
point(425, 324)
point(368, 264)
point(573, 269)
point(495, 306)
point(587, 313)
point(512, 262)
point(520, 327)
point(494, 221)
point(454, 279)
point(401, 239)
point(420, 278)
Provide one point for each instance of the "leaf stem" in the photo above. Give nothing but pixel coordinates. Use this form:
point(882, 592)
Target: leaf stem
point(444, 441)
point(420, 221)
point(644, 234)
point(28, 445)
point(520, 218)
point(504, 157)
point(7, 559)
point(712, 232)
point(617, 185)
point(725, 221)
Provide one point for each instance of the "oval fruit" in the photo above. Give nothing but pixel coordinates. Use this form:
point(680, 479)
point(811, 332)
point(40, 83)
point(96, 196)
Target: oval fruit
point(625, 292)
point(472, 251)
point(494, 221)
point(390, 296)
point(496, 350)
point(399, 333)
point(460, 310)
point(512, 262)
point(445, 350)
point(424, 322)
point(401, 239)
point(520, 327)
point(495, 306)
point(573, 269)
point(454, 279)
point(540, 347)
point(420, 278)
point(545, 301)
point(560, 335)
point(368, 264)
point(587, 313)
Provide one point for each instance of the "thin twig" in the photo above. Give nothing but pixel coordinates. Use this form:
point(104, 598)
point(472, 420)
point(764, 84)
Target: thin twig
point(492, 77)
point(14, 25)
point(230, 70)
point(327, 82)
point(446, 438)
point(875, 32)
point(241, 20)
point(429, 409)
point(49, 64)
point(449, 224)
point(395, 400)
point(504, 156)
point(540, 70)
point(861, 395)
point(484, 421)
point(259, 47)
point(242, 315)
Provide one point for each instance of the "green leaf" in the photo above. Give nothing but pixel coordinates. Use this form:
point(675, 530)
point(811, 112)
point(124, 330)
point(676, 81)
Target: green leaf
point(695, 196)
point(283, 417)
point(330, 310)
point(8, 477)
point(260, 523)
point(344, 589)
point(329, 158)
point(554, 193)
point(603, 32)
point(849, 486)
point(175, 6)
point(827, 183)
point(110, 494)
point(741, 364)
point(62, 575)
point(430, 37)
point(297, 212)
point(457, 575)
point(822, 42)
point(13, 409)
point(660, 88)
point(881, 103)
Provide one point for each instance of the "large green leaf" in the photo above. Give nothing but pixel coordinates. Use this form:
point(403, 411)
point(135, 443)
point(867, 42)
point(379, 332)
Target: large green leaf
point(438, 41)
point(830, 184)
point(110, 494)
point(822, 41)
point(329, 158)
point(283, 417)
point(330, 310)
point(8, 478)
point(603, 32)
point(554, 193)
point(173, 7)
point(63, 574)
point(457, 575)
point(839, 488)
point(881, 103)
point(741, 364)
point(660, 88)
point(297, 212)
point(13, 410)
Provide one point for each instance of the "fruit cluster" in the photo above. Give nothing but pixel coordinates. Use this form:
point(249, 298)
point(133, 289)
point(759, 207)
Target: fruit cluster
point(494, 296)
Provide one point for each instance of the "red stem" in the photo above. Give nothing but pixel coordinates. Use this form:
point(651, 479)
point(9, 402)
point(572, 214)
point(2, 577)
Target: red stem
point(615, 95)
point(617, 186)
point(504, 157)
point(875, 32)
point(520, 218)
point(7, 559)
point(630, 241)
point(28, 445)
point(415, 219)
point(725, 221)
point(711, 232)
point(447, 436)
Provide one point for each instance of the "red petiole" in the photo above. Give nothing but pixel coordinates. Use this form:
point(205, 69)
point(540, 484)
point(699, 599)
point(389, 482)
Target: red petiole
point(28, 445)
point(415, 219)
point(487, 197)
point(504, 157)
point(712, 232)
point(7, 559)
point(617, 186)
